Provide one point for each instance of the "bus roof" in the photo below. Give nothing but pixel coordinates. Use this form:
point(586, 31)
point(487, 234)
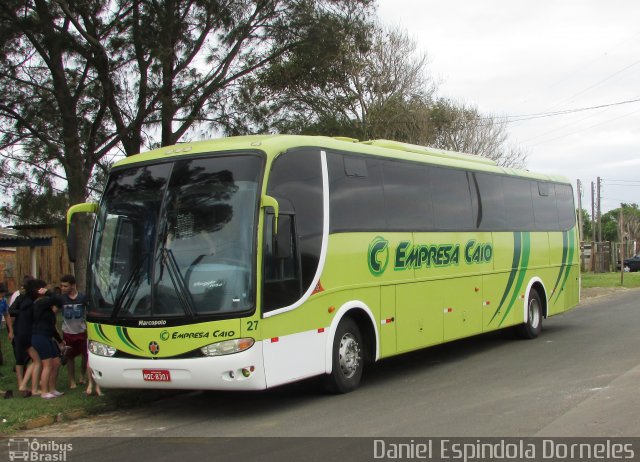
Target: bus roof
point(273, 145)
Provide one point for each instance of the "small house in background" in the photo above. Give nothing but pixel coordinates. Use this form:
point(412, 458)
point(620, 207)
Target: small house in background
point(8, 259)
point(39, 251)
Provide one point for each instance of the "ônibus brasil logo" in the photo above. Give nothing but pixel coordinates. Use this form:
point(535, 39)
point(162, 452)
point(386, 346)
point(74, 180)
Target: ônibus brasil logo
point(378, 256)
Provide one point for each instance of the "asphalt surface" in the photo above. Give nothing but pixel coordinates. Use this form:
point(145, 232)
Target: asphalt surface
point(579, 378)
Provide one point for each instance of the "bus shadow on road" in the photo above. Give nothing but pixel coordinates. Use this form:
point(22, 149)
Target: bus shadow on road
point(489, 348)
point(425, 364)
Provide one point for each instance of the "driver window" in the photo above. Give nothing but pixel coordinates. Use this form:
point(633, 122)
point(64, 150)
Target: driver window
point(281, 264)
point(295, 181)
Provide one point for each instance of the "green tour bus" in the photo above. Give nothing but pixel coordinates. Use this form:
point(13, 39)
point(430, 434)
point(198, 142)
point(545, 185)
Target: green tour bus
point(244, 263)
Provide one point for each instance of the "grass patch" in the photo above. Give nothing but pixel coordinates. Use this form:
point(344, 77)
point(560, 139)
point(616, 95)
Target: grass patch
point(590, 280)
point(17, 411)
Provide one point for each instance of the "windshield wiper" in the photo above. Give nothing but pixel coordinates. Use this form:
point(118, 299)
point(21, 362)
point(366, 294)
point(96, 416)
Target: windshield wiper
point(178, 282)
point(126, 294)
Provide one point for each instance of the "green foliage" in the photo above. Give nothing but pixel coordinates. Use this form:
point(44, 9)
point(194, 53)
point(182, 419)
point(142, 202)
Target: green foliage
point(33, 207)
point(84, 80)
point(631, 221)
point(587, 225)
point(377, 87)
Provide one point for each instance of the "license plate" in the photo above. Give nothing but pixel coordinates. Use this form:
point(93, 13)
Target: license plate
point(156, 375)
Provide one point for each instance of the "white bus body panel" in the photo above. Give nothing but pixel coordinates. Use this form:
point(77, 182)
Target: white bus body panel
point(207, 373)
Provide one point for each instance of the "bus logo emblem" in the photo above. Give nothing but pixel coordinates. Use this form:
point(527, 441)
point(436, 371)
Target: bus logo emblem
point(154, 348)
point(378, 255)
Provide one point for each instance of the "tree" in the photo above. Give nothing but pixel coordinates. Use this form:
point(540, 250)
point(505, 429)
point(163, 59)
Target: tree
point(387, 93)
point(587, 225)
point(85, 79)
point(383, 94)
point(461, 127)
point(631, 221)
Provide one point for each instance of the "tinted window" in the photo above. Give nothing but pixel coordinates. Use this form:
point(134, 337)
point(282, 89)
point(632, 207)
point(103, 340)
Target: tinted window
point(282, 282)
point(491, 203)
point(544, 206)
point(296, 181)
point(355, 189)
point(518, 206)
point(406, 196)
point(355, 167)
point(417, 197)
point(177, 239)
point(566, 209)
point(209, 235)
point(451, 199)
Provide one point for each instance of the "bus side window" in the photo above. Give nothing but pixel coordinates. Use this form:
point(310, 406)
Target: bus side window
point(566, 208)
point(295, 181)
point(282, 282)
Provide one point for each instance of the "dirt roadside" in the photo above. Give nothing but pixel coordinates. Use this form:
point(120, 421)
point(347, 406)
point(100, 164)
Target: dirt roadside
point(596, 292)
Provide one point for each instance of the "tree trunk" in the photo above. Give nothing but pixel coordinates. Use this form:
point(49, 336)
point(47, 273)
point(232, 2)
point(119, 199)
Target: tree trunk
point(83, 227)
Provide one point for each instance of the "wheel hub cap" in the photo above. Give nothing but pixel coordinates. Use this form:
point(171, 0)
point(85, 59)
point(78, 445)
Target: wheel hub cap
point(349, 355)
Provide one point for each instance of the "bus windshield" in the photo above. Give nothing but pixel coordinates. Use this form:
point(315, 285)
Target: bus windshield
point(176, 240)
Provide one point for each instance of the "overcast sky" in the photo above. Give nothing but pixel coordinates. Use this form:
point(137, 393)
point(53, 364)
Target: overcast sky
point(523, 57)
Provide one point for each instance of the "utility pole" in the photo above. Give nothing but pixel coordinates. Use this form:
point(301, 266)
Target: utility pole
point(621, 247)
point(579, 187)
point(580, 224)
point(599, 210)
point(593, 214)
point(592, 262)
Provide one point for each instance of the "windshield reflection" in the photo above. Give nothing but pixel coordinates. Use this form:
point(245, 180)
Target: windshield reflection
point(176, 240)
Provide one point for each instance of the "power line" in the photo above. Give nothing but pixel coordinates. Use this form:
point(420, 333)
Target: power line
point(601, 81)
point(540, 115)
point(586, 128)
point(625, 181)
point(561, 128)
point(578, 68)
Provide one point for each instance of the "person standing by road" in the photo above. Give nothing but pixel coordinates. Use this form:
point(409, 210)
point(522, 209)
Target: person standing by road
point(74, 327)
point(20, 353)
point(21, 311)
point(45, 338)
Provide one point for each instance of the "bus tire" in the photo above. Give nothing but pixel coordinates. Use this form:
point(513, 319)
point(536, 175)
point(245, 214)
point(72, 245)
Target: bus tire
point(532, 325)
point(348, 360)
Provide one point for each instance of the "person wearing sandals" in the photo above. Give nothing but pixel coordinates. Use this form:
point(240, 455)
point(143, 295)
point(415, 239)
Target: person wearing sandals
point(43, 334)
point(74, 327)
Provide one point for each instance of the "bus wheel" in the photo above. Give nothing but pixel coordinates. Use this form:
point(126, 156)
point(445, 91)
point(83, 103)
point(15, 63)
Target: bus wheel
point(348, 362)
point(533, 324)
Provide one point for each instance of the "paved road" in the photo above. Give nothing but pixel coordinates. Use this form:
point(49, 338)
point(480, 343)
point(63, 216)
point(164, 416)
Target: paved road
point(579, 378)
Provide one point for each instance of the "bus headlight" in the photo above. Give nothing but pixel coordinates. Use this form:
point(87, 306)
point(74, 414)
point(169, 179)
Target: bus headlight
point(101, 349)
point(228, 347)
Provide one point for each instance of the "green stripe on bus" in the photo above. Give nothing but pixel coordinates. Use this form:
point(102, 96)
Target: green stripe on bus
point(526, 251)
point(98, 329)
point(124, 336)
point(515, 264)
point(572, 245)
point(565, 246)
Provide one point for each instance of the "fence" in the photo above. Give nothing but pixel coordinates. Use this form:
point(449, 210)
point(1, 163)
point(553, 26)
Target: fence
point(604, 257)
point(51, 262)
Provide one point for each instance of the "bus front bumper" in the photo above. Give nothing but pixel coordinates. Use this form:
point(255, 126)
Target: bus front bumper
point(239, 371)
